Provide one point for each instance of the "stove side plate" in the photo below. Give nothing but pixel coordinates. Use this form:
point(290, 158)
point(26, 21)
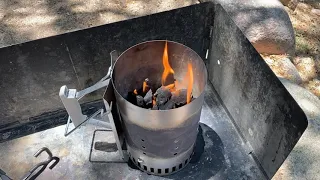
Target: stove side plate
point(265, 114)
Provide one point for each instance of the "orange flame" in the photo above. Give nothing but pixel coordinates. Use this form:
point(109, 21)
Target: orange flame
point(183, 84)
point(144, 86)
point(171, 87)
point(167, 68)
point(186, 82)
point(190, 83)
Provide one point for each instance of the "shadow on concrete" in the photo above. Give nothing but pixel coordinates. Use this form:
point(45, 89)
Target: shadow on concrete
point(302, 163)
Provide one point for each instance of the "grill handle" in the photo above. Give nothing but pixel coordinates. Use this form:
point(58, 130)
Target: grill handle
point(70, 99)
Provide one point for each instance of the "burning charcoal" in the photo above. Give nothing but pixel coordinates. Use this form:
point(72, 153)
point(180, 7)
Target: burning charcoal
point(148, 98)
point(140, 101)
point(145, 86)
point(162, 96)
point(169, 105)
point(179, 97)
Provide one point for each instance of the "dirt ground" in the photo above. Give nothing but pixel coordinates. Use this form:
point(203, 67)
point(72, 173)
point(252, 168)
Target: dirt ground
point(307, 29)
point(22, 21)
point(306, 25)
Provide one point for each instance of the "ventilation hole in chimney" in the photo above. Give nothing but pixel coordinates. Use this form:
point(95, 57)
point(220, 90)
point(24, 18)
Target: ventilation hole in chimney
point(143, 147)
point(144, 153)
point(133, 160)
point(180, 166)
point(145, 168)
point(166, 170)
point(175, 153)
point(186, 161)
point(139, 164)
point(142, 140)
point(159, 171)
point(173, 169)
point(152, 170)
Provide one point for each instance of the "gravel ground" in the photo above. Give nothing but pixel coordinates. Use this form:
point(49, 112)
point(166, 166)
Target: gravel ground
point(306, 59)
point(22, 21)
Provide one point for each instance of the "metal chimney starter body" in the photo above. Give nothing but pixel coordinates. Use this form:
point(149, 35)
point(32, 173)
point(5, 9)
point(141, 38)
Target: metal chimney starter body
point(159, 142)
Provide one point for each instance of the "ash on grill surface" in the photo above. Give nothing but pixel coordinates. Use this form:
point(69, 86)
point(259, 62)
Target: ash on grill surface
point(162, 99)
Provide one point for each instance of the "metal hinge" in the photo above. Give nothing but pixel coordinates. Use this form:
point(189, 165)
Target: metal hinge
point(103, 119)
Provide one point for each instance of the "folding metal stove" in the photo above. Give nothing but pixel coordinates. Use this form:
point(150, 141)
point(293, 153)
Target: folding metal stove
point(249, 122)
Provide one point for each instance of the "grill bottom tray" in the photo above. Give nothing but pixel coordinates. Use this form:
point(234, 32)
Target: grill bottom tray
point(220, 152)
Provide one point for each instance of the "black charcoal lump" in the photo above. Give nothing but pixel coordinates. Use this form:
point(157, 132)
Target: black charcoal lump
point(140, 101)
point(148, 98)
point(180, 97)
point(168, 105)
point(162, 95)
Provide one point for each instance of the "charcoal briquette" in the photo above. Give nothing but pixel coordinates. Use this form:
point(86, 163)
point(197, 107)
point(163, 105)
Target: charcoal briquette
point(179, 97)
point(162, 95)
point(140, 101)
point(168, 105)
point(148, 98)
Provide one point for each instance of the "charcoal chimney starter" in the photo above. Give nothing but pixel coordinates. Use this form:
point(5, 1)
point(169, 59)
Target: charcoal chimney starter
point(159, 142)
